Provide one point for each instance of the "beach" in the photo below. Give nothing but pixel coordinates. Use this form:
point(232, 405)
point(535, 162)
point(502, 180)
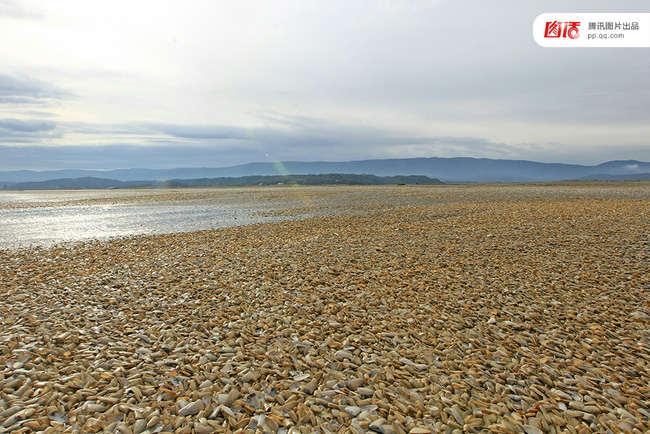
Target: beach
point(393, 309)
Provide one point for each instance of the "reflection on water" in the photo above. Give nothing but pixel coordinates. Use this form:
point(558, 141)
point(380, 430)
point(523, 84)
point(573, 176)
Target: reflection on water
point(49, 225)
point(61, 196)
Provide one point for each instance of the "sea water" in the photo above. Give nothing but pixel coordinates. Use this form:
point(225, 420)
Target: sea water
point(40, 220)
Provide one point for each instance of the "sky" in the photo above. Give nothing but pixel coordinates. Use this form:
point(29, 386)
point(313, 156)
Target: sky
point(215, 83)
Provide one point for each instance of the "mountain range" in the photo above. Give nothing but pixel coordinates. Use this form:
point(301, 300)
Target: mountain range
point(447, 170)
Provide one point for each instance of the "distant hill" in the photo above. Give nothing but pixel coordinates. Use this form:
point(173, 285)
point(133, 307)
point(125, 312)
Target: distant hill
point(325, 179)
point(607, 177)
point(446, 169)
point(74, 183)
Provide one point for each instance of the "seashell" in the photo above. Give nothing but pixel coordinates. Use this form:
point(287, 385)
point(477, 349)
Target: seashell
point(58, 417)
point(200, 428)
point(230, 398)
point(353, 410)
point(528, 429)
point(365, 391)
point(342, 355)
point(139, 426)
point(456, 414)
point(192, 408)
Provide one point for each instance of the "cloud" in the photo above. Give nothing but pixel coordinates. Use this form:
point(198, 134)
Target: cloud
point(229, 82)
point(310, 139)
point(279, 137)
point(27, 130)
point(119, 155)
point(20, 89)
point(283, 132)
point(19, 100)
point(167, 155)
point(15, 9)
point(26, 126)
point(201, 131)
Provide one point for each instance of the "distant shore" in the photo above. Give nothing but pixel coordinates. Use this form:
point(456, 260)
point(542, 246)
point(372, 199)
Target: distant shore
point(475, 308)
point(242, 181)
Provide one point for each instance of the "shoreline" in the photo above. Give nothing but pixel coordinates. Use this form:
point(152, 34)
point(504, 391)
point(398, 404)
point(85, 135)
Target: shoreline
point(488, 310)
point(63, 217)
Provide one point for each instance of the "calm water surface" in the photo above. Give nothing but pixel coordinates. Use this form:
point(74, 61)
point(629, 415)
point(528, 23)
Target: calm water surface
point(47, 218)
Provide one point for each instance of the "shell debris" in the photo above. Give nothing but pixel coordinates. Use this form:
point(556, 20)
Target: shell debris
point(414, 309)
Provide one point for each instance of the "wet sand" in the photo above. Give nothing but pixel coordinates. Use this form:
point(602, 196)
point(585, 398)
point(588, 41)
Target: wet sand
point(473, 308)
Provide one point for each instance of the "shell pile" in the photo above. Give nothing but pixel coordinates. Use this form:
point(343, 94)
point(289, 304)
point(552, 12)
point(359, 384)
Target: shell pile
point(423, 309)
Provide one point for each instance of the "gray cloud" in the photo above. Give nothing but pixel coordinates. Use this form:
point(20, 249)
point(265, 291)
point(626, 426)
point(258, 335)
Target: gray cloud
point(435, 59)
point(19, 100)
point(19, 10)
point(27, 130)
point(19, 89)
point(26, 126)
point(314, 81)
point(159, 155)
point(301, 130)
point(171, 154)
point(285, 134)
point(284, 138)
point(201, 131)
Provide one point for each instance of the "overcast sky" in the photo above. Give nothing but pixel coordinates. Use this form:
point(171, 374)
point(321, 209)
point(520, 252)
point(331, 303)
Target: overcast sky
point(159, 84)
